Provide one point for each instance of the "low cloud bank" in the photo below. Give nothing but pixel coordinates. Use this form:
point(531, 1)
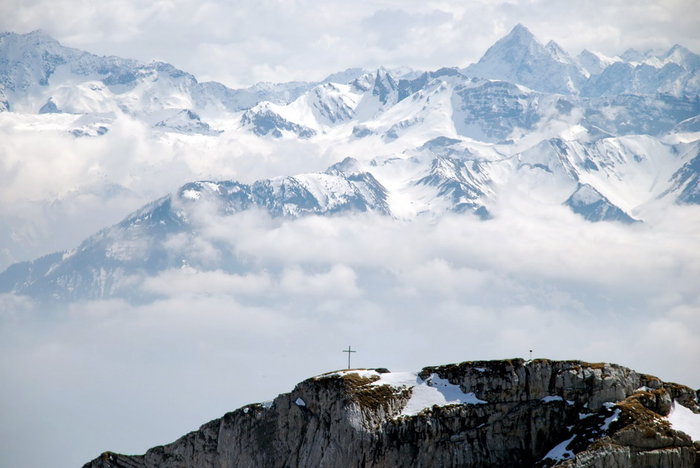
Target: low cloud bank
point(110, 374)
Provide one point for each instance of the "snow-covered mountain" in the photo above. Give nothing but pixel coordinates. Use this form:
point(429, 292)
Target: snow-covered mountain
point(606, 138)
point(607, 180)
point(37, 74)
point(521, 58)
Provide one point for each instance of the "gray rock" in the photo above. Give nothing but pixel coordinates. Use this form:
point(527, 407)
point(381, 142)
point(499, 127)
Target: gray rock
point(600, 415)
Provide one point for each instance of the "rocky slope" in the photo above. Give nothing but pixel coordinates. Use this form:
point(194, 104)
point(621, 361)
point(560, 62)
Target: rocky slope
point(488, 413)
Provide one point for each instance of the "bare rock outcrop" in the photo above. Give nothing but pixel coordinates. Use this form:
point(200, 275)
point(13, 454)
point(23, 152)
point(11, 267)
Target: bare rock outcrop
point(514, 413)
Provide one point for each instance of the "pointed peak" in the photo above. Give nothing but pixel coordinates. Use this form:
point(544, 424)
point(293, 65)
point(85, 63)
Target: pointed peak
point(557, 52)
point(522, 33)
point(520, 29)
point(677, 49)
point(382, 72)
point(519, 36)
point(349, 165)
point(551, 45)
point(384, 85)
point(682, 56)
point(384, 76)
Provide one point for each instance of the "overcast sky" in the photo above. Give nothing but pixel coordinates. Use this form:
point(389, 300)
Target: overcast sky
point(246, 41)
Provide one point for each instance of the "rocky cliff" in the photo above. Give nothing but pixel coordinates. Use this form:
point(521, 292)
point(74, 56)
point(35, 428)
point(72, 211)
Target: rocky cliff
point(513, 413)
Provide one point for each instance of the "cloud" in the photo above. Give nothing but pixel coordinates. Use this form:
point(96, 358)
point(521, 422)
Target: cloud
point(390, 29)
point(190, 282)
point(112, 374)
point(57, 189)
point(404, 294)
point(337, 282)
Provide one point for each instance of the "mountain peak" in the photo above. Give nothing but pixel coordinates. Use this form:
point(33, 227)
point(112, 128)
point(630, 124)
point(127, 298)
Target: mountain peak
point(520, 58)
point(519, 36)
point(682, 56)
point(384, 85)
point(363, 414)
point(38, 36)
point(521, 32)
point(557, 52)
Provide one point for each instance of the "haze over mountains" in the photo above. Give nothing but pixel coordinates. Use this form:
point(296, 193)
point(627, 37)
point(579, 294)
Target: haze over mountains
point(611, 138)
point(171, 249)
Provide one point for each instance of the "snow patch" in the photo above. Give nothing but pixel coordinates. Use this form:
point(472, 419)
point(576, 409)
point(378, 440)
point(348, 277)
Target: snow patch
point(300, 402)
point(424, 393)
point(427, 393)
point(611, 419)
point(684, 420)
point(549, 398)
point(365, 373)
point(190, 194)
point(560, 452)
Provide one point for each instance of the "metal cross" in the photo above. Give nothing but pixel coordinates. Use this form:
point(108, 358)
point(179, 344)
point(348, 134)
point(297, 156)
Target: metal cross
point(349, 350)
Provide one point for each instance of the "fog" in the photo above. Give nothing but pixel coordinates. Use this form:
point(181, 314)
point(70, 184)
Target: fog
point(112, 375)
point(55, 189)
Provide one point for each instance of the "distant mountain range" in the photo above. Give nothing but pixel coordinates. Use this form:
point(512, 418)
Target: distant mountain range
point(608, 137)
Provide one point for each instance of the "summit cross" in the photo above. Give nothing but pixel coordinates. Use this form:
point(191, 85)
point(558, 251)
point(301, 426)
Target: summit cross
point(349, 350)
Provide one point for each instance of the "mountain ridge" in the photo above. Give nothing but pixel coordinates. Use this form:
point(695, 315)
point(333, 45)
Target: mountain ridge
point(522, 413)
point(420, 144)
point(443, 176)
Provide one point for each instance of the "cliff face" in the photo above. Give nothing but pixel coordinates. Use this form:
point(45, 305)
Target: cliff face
point(489, 413)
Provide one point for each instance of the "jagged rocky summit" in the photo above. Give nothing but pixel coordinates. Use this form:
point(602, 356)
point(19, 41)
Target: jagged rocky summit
point(514, 413)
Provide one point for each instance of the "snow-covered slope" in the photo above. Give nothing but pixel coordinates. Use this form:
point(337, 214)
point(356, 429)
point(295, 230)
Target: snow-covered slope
point(38, 75)
point(607, 180)
point(151, 239)
point(608, 138)
point(36, 72)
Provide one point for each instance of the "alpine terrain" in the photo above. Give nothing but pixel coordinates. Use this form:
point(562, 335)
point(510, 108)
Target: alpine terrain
point(171, 248)
point(612, 139)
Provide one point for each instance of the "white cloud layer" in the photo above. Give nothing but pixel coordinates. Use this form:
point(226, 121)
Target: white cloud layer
point(243, 42)
point(112, 375)
point(55, 189)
